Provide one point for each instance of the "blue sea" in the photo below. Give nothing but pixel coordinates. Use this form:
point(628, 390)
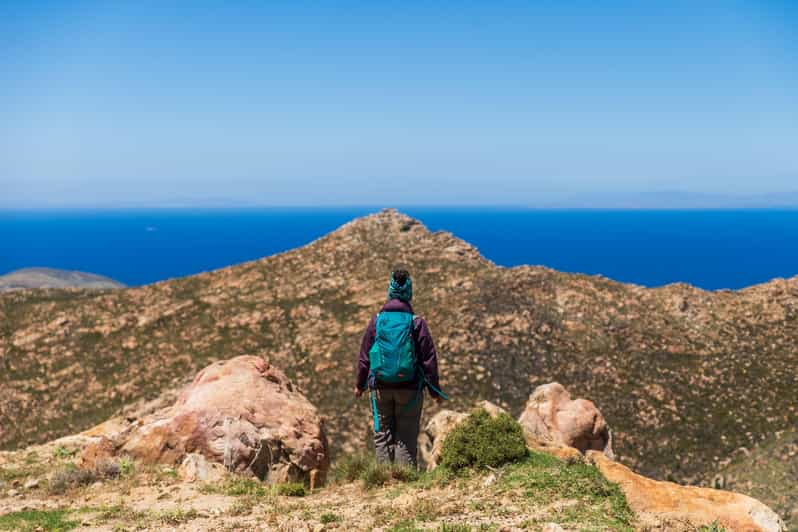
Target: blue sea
point(712, 249)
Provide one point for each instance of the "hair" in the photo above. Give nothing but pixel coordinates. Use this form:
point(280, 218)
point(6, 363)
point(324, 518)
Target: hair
point(400, 275)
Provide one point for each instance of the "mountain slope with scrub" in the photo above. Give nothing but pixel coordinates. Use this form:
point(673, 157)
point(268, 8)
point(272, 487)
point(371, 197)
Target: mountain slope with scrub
point(683, 376)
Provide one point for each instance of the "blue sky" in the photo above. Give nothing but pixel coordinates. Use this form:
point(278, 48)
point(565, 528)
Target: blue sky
point(342, 103)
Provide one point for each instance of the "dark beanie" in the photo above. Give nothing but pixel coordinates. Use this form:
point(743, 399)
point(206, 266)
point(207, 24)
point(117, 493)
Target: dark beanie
point(404, 291)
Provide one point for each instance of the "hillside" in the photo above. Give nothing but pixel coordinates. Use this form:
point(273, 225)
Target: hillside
point(52, 278)
point(683, 376)
point(769, 472)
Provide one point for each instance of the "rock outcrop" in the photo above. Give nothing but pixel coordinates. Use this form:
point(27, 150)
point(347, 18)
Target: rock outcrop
point(553, 422)
point(669, 506)
point(242, 413)
point(553, 418)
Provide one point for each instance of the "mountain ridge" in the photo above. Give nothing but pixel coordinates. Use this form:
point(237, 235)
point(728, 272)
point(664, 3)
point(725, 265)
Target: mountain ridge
point(41, 277)
point(669, 367)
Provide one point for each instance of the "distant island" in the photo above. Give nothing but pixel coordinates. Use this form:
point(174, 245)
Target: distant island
point(54, 278)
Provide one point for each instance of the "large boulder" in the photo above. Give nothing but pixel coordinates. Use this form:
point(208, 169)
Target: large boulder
point(242, 413)
point(668, 506)
point(551, 417)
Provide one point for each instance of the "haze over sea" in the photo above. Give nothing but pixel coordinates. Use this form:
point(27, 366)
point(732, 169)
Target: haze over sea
point(712, 249)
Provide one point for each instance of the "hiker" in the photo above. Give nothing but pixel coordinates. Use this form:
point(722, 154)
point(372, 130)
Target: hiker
point(397, 361)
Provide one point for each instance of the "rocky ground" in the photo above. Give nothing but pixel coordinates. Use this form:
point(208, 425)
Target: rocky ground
point(684, 377)
point(527, 496)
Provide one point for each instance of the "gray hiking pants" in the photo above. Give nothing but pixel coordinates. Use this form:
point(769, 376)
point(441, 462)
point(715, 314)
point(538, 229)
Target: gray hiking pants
point(399, 413)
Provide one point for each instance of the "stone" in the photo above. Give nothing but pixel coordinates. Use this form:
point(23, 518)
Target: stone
point(430, 441)
point(552, 418)
point(31, 484)
point(99, 452)
point(552, 527)
point(195, 467)
point(669, 506)
point(242, 413)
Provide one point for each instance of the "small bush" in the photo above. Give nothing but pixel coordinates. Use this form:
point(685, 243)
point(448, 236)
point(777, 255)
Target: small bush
point(70, 477)
point(329, 517)
point(63, 452)
point(376, 474)
point(351, 467)
point(290, 489)
point(108, 469)
point(483, 441)
point(126, 466)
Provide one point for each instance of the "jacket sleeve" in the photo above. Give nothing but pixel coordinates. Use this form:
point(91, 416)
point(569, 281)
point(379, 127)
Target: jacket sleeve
point(427, 355)
point(363, 358)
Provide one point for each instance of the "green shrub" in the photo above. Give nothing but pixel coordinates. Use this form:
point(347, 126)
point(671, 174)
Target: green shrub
point(290, 489)
point(329, 517)
point(483, 441)
point(236, 486)
point(63, 452)
point(126, 466)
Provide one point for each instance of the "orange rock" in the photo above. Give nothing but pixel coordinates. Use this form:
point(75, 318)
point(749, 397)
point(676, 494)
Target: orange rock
point(669, 506)
point(97, 453)
point(242, 413)
point(552, 418)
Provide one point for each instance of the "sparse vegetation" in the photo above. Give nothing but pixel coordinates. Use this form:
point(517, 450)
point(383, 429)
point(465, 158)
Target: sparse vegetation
point(350, 467)
point(371, 473)
point(178, 516)
point(483, 441)
point(70, 476)
point(237, 486)
point(712, 527)
point(243, 505)
point(329, 517)
point(290, 489)
point(34, 520)
point(63, 452)
point(545, 479)
point(406, 525)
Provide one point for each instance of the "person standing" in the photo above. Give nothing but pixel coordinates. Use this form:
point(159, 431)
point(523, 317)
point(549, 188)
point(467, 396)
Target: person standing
point(397, 362)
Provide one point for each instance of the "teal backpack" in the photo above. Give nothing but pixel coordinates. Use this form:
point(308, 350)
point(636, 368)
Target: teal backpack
point(392, 357)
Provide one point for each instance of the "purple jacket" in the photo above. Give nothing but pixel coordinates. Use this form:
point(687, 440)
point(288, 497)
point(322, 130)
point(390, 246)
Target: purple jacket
point(424, 348)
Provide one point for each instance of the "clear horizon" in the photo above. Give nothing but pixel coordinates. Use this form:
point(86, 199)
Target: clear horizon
point(621, 105)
